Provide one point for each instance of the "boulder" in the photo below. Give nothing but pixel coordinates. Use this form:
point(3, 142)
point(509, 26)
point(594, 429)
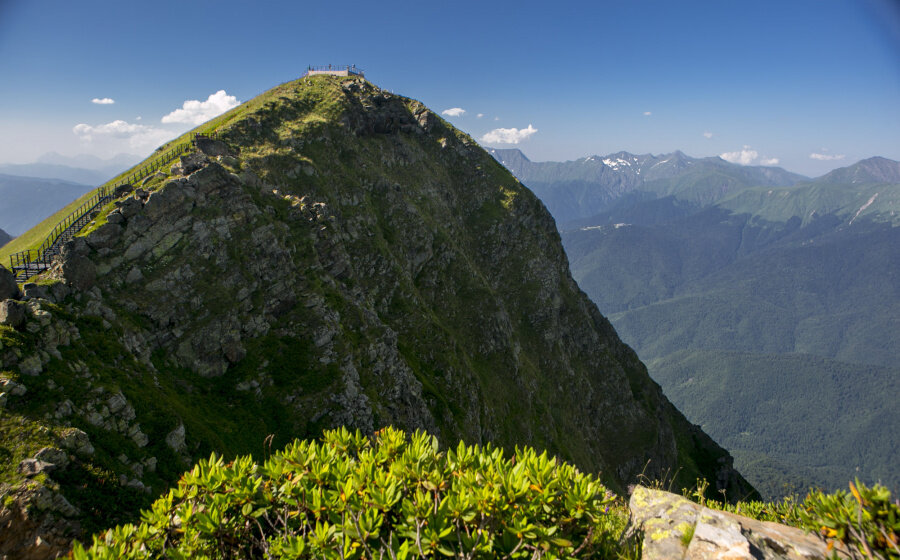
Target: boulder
point(193, 162)
point(30, 290)
point(129, 207)
point(12, 313)
point(79, 272)
point(122, 190)
point(53, 455)
point(78, 442)
point(175, 439)
point(674, 527)
point(34, 467)
point(211, 147)
point(8, 286)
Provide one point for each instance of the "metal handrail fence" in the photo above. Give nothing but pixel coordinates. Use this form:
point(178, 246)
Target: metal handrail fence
point(26, 264)
point(350, 68)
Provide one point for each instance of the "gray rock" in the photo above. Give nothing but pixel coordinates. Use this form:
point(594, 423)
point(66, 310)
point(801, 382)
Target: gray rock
point(212, 147)
point(79, 272)
point(53, 455)
point(30, 290)
point(122, 190)
point(78, 442)
point(105, 235)
point(8, 286)
point(129, 207)
point(58, 292)
point(31, 366)
point(116, 402)
point(33, 467)
point(115, 217)
point(134, 275)
point(175, 439)
point(673, 528)
point(193, 162)
point(12, 313)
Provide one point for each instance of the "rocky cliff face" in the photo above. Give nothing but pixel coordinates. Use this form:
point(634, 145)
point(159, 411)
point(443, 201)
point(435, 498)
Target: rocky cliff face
point(338, 256)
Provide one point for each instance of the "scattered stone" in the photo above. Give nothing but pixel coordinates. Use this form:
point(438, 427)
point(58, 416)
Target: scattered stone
point(33, 467)
point(193, 162)
point(175, 439)
point(30, 290)
point(12, 313)
point(78, 442)
point(116, 402)
point(8, 287)
point(122, 190)
point(12, 388)
point(53, 455)
point(31, 366)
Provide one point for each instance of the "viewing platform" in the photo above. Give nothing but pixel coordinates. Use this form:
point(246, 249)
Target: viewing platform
point(349, 70)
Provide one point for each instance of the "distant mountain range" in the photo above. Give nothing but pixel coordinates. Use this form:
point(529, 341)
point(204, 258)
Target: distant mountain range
point(592, 185)
point(4, 238)
point(766, 304)
point(28, 200)
point(83, 169)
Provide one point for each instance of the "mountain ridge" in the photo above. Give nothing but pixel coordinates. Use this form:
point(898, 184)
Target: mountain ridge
point(578, 189)
point(339, 255)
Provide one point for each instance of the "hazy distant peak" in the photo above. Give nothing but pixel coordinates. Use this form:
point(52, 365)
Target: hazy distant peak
point(872, 170)
point(87, 161)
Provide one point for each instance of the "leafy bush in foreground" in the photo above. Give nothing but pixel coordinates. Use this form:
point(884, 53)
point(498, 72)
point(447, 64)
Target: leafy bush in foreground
point(391, 496)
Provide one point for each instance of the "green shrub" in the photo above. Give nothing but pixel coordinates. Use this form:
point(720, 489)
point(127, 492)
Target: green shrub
point(865, 520)
point(389, 496)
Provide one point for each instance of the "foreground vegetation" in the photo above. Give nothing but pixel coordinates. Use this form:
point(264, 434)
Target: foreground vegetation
point(397, 496)
point(392, 496)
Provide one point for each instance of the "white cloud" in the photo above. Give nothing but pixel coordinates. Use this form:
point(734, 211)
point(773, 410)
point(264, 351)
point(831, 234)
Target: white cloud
point(647, 113)
point(198, 112)
point(138, 136)
point(496, 118)
point(508, 135)
point(479, 115)
point(743, 157)
point(454, 112)
point(770, 161)
point(103, 101)
point(826, 157)
point(707, 134)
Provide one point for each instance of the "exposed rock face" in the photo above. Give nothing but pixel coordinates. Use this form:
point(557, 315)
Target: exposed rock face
point(8, 286)
point(360, 263)
point(674, 528)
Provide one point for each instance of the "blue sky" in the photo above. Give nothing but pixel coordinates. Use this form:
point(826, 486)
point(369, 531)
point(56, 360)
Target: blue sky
point(811, 84)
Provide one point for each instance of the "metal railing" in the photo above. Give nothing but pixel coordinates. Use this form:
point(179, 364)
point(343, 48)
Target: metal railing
point(28, 263)
point(349, 68)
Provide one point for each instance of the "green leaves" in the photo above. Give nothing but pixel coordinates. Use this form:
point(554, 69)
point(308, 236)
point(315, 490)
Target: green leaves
point(350, 496)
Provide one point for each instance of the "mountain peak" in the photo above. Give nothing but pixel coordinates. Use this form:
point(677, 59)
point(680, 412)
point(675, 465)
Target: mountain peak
point(871, 170)
point(336, 256)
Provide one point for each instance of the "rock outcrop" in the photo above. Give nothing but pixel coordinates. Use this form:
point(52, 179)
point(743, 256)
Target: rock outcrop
point(347, 259)
point(674, 527)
